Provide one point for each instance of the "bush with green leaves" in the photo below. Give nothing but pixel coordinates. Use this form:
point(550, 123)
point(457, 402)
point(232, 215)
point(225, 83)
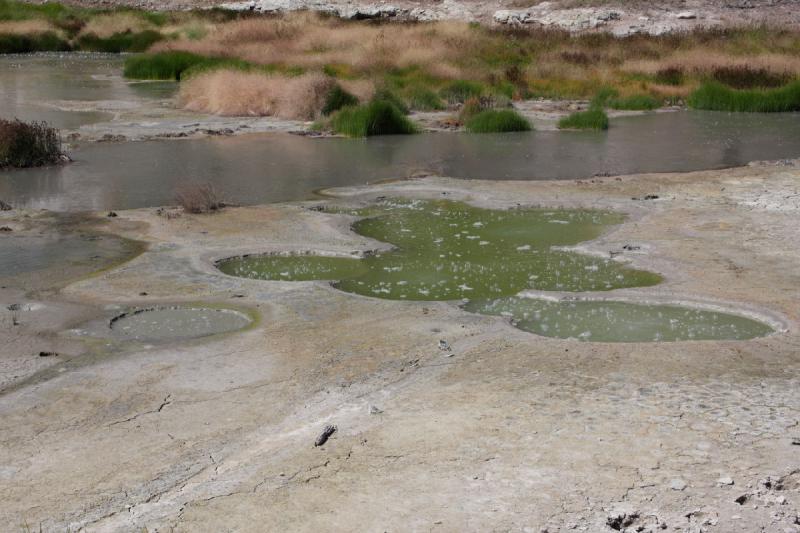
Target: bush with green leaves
point(28, 144)
point(497, 121)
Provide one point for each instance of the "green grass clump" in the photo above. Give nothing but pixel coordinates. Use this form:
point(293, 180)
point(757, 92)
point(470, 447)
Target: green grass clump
point(459, 91)
point(383, 94)
point(40, 42)
point(378, 117)
point(592, 119)
point(423, 99)
point(603, 96)
point(497, 121)
point(714, 96)
point(24, 144)
point(119, 42)
point(175, 65)
point(337, 99)
point(636, 102)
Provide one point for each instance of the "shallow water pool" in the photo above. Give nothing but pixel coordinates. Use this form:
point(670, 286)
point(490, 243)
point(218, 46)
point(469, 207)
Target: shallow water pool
point(446, 250)
point(616, 321)
point(176, 323)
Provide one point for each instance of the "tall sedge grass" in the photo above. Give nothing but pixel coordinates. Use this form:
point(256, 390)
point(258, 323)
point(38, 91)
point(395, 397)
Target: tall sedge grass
point(163, 65)
point(714, 96)
point(36, 42)
point(119, 42)
point(378, 117)
point(635, 102)
point(592, 119)
point(336, 99)
point(497, 121)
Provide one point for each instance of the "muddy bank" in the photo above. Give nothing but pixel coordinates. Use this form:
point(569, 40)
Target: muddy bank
point(507, 430)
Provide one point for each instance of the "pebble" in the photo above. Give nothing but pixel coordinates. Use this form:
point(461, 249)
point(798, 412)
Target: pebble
point(677, 484)
point(725, 480)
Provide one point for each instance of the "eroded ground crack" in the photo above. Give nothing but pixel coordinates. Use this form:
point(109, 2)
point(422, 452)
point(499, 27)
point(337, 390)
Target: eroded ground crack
point(165, 402)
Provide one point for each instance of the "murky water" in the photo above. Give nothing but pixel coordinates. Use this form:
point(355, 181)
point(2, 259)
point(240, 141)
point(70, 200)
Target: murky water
point(448, 251)
point(177, 323)
point(280, 167)
point(608, 321)
point(61, 256)
point(263, 168)
point(56, 87)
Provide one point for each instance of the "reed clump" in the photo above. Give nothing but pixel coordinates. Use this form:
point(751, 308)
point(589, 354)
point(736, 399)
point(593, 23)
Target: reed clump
point(714, 96)
point(378, 117)
point(593, 118)
point(28, 144)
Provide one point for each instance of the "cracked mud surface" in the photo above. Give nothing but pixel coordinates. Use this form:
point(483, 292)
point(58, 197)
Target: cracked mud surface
point(511, 432)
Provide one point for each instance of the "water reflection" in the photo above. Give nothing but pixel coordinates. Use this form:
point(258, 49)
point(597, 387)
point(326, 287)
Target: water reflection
point(280, 167)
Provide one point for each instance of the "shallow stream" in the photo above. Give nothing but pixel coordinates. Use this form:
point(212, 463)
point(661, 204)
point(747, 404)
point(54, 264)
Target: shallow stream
point(262, 168)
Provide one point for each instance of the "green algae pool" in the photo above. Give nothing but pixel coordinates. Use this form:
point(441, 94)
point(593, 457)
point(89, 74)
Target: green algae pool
point(445, 250)
point(616, 321)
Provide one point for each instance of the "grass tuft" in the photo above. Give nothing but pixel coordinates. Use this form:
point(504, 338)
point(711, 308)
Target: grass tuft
point(337, 99)
point(748, 77)
point(378, 117)
point(636, 102)
point(592, 119)
point(119, 42)
point(497, 121)
point(28, 144)
point(713, 96)
point(38, 42)
point(459, 91)
point(164, 65)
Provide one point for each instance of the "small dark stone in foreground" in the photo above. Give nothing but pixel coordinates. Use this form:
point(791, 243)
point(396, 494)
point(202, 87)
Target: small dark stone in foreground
point(325, 435)
point(47, 354)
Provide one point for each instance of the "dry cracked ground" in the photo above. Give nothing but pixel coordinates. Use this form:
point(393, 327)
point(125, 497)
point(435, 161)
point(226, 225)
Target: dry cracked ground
point(513, 432)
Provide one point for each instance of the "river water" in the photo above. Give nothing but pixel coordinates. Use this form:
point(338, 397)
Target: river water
point(263, 168)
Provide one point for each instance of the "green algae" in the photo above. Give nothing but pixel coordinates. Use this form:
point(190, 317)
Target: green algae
point(445, 250)
point(615, 321)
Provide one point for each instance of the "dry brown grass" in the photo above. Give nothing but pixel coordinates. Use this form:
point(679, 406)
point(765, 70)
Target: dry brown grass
point(26, 27)
point(238, 93)
point(105, 26)
point(546, 62)
point(311, 41)
point(701, 62)
point(198, 198)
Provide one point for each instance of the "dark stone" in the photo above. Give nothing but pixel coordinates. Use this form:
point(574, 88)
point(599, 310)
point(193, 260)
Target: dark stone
point(325, 435)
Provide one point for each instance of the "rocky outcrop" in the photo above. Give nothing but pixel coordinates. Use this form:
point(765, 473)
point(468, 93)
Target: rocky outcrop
point(617, 21)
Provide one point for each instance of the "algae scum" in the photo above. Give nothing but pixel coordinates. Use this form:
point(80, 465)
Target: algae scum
point(444, 250)
point(614, 321)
